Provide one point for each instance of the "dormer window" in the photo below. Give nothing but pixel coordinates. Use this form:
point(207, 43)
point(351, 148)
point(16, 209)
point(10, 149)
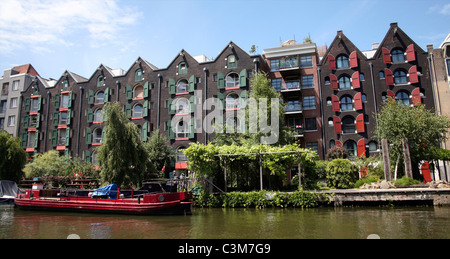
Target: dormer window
point(231, 61)
point(138, 75)
point(182, 68)
point(100, 80)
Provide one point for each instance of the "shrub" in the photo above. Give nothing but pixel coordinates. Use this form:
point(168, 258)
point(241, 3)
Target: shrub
point(341, 174)
point(406, 181)
point(336, 152)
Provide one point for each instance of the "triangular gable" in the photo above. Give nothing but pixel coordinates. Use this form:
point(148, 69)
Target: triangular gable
point(140, 60)
point(349, 46)
point(405, 41)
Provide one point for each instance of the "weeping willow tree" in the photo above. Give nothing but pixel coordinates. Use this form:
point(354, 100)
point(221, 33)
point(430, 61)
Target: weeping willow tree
point(122, 156)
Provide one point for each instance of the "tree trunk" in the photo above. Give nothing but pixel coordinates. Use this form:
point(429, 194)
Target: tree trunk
point(407, 158)
point(386, 160)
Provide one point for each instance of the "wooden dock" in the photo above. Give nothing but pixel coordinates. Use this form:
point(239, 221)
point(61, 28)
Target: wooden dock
point(397, 196)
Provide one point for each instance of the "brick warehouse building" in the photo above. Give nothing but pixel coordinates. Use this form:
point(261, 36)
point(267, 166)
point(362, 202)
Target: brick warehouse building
point(65, 114)
point(354, 84)
point(330, 99)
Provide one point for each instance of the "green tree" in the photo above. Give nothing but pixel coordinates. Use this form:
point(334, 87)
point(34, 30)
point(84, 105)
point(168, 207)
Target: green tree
point(341, 174)
point(122, 156)
point(414, 128)
point(13, 157)
point(158, 153)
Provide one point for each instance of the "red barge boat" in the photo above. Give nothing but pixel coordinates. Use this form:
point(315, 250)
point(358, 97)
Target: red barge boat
point(146, 201)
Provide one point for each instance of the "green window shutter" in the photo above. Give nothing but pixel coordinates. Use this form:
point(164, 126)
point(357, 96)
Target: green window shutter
point(172, 87)
point(69, 116)
point(67, 136)
point(27, 104)
point(91, 97)
point(38, 120)
point(243, 78)
point(87, 156)
point(106, 96)
point(144, 131)
point(56, 100)
point(192, 104)
point(170, 130)
point(191, 128)
point(145, 109)
point(54, 137)
point(25, 121)
point(220, 80)
point(69, 103)
point(88, 136)
point(36, 139)
point(55, 119)
point(128, 110)
point(129, 92)
point(67, 152)
point(39, 103)
point(24, 140)
point(192, 84)
point(146, 90)
point(90, 115)
point(169, 106)
point(243, 99)
point(221, 101)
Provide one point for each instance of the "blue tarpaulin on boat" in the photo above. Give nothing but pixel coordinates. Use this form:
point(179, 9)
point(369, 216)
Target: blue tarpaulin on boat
point(109, 190)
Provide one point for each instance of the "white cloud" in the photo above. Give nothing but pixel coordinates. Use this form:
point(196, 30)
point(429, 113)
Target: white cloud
point(41, 24)
point(444, 10)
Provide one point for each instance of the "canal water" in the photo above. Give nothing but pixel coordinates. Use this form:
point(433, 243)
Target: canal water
point(269, 223)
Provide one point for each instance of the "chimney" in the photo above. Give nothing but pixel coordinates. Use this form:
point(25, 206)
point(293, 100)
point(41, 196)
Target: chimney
point(375, 45)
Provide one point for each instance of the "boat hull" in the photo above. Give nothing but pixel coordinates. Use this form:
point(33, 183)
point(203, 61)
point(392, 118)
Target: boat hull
point(147, 206)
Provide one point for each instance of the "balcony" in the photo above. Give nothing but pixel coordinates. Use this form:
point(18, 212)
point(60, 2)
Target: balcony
point(293, 107)
point(298, 131)
point(292, 85)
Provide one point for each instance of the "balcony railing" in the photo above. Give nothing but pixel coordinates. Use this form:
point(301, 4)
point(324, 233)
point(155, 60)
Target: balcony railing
point(294, 106)
point(291, 85)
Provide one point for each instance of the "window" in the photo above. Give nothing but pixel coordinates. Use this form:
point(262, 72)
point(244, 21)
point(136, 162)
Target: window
point(275, 65)
point(63, 118)
point(403, 98)
point(344, 82)
point(12, 121)
point(138, 75)
point(97, 136)
point(137, 111)
point(232, 124)
point(100, 80)
point(62, 137)
point(288, 62)
point(308, 81)
point(351, 147)
point(346, 103)
point(364, 98)
point(293, 122)
point(181, 157)
point(232, 101)
point(94, 158)
point(342, 62)
point(276, 84)
point(397, 56)
point(400, 77)
point(332, 143)
point(15, 86)
point(5, 89)
point(448, 66)
point(381, 74)
point(100, 97)
point(13, 103)
point(232, 80)
point(31, 143)
point(361, 77)
point(64, 101)
point(309, 102)
point(182, 68)
point(330, 122)
point(33, 121)
point(329, 102)
point(373, 146)
point(348, 124)
point(306, 61)
point(2, 123)
point(327, 80)
point(181, 130)
point(2, 106)
point(34, 104)
point(182, 106)
point(293, 105)
point(138, 92)
point(98, 116)
point(310, 124)
point(182, 86)
point(231, 61)
point(314, 146)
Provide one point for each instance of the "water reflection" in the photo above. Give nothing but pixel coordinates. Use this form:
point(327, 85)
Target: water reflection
point(402, 222)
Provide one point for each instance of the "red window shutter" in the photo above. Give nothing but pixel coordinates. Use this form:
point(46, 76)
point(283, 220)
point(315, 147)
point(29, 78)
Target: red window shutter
point(386, 56)
point(337, 125)
point(416, 98)
point(410, 53)
point(356, 83)
point(353, 59)
point(358, 101)
point(413, 76)
point(339, 143)
point(389, 76)
point(334, 82)
point(331, 62)
point(361, 148)
point(360, 124)
point(335, 103)
point(390, 94)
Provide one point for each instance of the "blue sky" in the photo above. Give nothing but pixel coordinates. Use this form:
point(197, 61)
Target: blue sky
point(79, 35)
